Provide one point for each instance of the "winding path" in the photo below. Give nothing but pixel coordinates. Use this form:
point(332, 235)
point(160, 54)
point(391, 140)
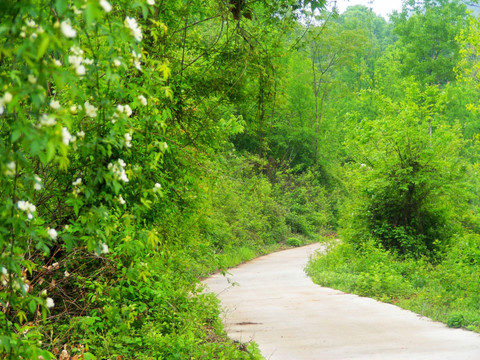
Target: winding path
point(271, 301)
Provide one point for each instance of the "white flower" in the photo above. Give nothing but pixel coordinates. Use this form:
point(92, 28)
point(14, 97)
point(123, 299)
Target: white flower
point(32, 79)
point(142, 99)
point(49, 303)
point(128, 110)
point(47, 120)
point(151, 2)
point(4, 271)
point(88, 61)
point(106, 5)
point(121, 200)
point(77, 182)
point(75, 60)
point(27, 207)
point(128, 140)
point(11, 168)
point(81, 70)
point(137, 64)
point(165, 146)
point(54, 104)
point(76, 50)
point(131, 23)
point(66, 136)
point(66, 273)
point(120, 108)
point(52, 233)
point(90, 110)
point(104, 248)
point(116, 63)
point(30, 23)
point(57, 62)
point(118, 170)
point(38, 183)
point(67, 29)
point(158, 186)
point(7, 97)
point(25, 287)
point(81, 134)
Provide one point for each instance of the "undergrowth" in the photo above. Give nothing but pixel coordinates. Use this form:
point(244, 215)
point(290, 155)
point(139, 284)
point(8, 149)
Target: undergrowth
point(446, 291)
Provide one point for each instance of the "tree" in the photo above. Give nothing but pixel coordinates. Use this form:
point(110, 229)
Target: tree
point(406, 177)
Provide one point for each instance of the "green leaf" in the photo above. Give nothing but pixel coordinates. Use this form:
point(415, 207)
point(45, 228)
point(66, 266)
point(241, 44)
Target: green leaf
point(61, 6)
point(15, 135)
point(43, 47)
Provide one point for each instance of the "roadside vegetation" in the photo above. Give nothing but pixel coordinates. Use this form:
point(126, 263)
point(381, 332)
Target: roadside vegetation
point(146, 144)
point(409, 224)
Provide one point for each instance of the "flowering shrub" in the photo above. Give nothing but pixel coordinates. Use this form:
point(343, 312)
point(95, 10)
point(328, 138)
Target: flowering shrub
point(103, 142)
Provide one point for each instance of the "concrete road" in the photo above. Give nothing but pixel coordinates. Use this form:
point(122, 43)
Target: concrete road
point(271, 301)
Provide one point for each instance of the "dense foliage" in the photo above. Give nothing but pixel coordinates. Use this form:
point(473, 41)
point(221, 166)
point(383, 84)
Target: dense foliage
point(409, 219)
point(145, 144)
point(119, 184)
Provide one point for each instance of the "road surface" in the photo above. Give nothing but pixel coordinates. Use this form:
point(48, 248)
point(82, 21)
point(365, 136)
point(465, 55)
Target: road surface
point(271, 301)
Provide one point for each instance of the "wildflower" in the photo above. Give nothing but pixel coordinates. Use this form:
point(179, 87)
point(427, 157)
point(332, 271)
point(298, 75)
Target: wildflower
point(121, 200)
point(67, 29)
point(80, 70)
point(77, 182)
point(81, 134)
point(66, 136)
point(151, 2)
point(30, 23)
point(88, 61)
point(76, 50)
point(90, 110)
point(52, 233)
point(142, 99)
point(32, 79)
point(128, 110)
point(118, 170)
point(104, 248)
point(137, 64)
point(47, 120)
point(57, 62)
point(11, 168)
point(7, 97)
point(165, 145)
point(106, 5)
point(27, 207)
point(136, 60)
point(38, 183)
point(54, 104)
point(116, 63)
point(49, 303)
point(66, 273)
point(128, 140)
point(4, 271)
point(158, 186)
point(131, 23)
